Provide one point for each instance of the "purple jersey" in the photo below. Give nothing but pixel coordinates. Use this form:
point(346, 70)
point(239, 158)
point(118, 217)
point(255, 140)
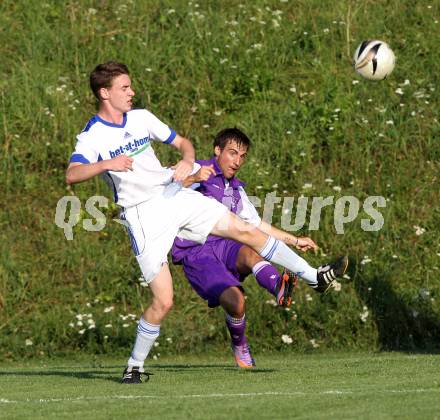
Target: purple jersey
point(217, 187)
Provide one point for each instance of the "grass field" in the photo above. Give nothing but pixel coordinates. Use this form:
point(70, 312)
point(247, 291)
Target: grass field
point(323, 385)
point(278, 69)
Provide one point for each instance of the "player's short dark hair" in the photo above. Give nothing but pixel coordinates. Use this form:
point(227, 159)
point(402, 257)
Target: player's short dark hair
point(103, 74)
point(223, 137)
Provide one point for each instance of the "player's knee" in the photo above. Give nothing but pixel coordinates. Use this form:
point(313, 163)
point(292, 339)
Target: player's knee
point(162, 306)
point(167, 305)
point(247, 258)
point(240, 308)
point(233, 302)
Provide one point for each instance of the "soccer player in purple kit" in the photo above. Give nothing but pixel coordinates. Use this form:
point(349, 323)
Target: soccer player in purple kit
point(117, 143)
point(217, 268)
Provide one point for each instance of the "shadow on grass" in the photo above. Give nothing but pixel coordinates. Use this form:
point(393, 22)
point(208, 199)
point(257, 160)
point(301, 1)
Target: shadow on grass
point(109, 375)
point(405, 319)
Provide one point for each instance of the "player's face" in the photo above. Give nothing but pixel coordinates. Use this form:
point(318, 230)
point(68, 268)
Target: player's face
point(120, 94)
point(231, 158)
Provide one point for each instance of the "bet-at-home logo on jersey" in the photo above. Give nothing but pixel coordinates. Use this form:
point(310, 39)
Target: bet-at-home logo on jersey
point(132, 148)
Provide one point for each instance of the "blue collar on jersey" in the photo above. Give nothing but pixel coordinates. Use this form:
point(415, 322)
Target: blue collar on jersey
point(124, 120)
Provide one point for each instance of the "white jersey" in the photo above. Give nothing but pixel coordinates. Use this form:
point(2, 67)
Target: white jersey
point(102, 140)
point(248, 211)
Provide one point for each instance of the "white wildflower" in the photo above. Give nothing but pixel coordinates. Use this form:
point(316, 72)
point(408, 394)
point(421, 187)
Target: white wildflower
point(364, 315)
point(337, 286)
point(286, 339)
point(424, 293)
point(81, 332)
point(308, 297)
point(142, 281)
point(28, 342)
point(366, 260)
point(109, 309)
point(337, 188)
point(419, 230)
point(307, 186)
point(314, 343)
point(272, 302)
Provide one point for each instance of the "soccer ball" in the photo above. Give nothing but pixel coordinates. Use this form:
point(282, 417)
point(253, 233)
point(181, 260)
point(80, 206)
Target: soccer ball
point(374, 60)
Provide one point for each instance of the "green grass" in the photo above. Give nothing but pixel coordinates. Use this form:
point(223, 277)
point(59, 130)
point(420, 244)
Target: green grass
point(278, 70)
point(325, 386)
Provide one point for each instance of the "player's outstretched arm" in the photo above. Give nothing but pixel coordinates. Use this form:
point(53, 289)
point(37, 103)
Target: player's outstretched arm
point(184, 167)
point(78, 172)
point(302, 243)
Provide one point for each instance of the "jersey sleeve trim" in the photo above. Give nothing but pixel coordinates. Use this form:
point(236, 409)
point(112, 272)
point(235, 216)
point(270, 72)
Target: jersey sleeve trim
point(78, 158)
point(171, 137)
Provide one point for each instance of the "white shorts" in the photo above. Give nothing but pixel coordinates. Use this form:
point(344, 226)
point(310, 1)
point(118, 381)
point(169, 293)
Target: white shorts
point(154, 224)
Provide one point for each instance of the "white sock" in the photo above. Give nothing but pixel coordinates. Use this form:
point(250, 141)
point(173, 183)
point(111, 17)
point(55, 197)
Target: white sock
point(145, 338)
point(279, 253)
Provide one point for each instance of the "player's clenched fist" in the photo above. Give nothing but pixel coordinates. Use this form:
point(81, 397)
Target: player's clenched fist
point(304, 244)
point(121, 163)
point(204, 173)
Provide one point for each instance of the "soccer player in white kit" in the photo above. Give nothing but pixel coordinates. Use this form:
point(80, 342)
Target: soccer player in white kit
point(117, 144)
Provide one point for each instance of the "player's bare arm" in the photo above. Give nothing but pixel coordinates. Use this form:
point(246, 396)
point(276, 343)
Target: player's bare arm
point(79, 172)
point(201, 175)
point(185, 166)
point(302, 243)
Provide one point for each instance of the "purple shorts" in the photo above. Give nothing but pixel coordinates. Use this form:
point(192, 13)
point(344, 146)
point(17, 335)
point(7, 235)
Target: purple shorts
point(211, 268)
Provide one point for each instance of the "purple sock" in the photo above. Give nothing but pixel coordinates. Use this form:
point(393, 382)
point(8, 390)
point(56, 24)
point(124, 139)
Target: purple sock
point(266, 275)
point(236, 327)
